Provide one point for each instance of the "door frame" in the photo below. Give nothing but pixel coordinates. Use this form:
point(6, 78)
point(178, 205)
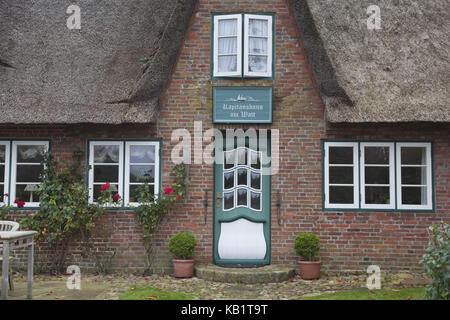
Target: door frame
point(268, 236)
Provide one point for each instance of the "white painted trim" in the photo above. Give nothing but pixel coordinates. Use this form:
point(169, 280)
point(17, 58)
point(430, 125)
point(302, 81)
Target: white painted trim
point(390, 145)
point(355, 203)
point(268, 18)
point(156, 164)
point(429, 184)
point(91, 164)
point(6, 175)
point(12, 193)
point(247, 186)
point(242, 239)
point(238, 72)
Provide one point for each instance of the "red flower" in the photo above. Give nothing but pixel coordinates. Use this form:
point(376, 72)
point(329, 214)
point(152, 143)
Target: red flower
point(168, 190)
point(174, 181)
point(178, 197)
point(104, 187)
point(117, 197)
point(19, 203)
point(6, 195)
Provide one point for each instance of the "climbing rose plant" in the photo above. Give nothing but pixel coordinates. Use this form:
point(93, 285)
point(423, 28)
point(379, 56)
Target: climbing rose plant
point(437, 263)
point(64, 215)
point(152, 209)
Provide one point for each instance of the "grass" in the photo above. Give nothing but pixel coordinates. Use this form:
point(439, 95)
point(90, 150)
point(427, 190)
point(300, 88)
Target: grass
point(383, 294)
point(152, 293)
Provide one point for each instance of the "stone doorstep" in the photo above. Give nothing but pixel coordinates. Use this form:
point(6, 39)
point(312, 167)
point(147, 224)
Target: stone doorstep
point(266, 274)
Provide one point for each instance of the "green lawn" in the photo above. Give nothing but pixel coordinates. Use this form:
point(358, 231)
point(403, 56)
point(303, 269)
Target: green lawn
point(152, 293)
point(383, 294)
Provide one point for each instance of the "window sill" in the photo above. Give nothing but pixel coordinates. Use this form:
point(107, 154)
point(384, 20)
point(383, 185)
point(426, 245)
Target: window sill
point(379, 210)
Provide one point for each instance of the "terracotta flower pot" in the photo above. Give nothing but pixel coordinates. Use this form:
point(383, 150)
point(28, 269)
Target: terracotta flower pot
point(310, 270)
point(183, 268)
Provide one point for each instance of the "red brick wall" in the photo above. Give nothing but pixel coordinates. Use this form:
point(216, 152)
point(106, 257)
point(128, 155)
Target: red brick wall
point(126, 235)
point(350, 240)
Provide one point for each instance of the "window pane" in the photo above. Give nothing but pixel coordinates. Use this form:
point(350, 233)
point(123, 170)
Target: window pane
point(106, 154)
point(242, 157)
point(377, 195)
point(255, 200)
point(376, 155)
point(255, 180)
point(376, 175)
point(228, 159)
point(227, 63)
point(414, 195)
point(29, 173)
point(342, 175)
point(27, 196)
point(341, 195)
point(255, 160)
point(30, 153)
point(242, 177)
point(2, 173)
point(257, 45)
point(2, 192)
point(341, 155)
point(106, 173)
point(242, 197)
point(257, 27)
point(2, 153)
point(142, 154)
point(414, 175)
point(98, 188)
point(142, 173)
point(227, 27)
point(413, 155)
point(228, 180)
point(228, 200)
point(227, 45)
point(134, 193)
point(257, 63)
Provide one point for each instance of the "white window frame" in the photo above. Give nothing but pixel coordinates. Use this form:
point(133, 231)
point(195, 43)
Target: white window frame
point(247, 166)
point(355, 204)
point(12, 194)
point(429, 184)
point(7, 145)
point(92, 144)
point(248, 73)
point(238, 72)
point(128, 144)
point(391, 166)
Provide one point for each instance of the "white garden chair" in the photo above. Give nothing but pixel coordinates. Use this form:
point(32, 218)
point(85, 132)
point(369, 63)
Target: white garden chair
point(8, 226)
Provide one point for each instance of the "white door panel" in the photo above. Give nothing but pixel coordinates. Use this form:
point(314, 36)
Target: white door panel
point(242, 239)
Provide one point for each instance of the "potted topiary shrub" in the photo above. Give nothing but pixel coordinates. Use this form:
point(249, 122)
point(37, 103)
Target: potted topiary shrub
point(307, 246)
point(182, 246)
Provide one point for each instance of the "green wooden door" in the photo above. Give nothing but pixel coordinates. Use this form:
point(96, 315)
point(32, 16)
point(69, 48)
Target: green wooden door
point(242, 205)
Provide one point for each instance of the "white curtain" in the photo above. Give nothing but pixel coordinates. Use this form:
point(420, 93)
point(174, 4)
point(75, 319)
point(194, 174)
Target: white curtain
point(228, 45)
point(2, 153)
point(257, 45)
point(423, 181)
point(106, 153)
point(257, 27)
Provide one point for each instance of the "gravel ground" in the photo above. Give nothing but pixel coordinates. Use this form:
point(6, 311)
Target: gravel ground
point(110, 287)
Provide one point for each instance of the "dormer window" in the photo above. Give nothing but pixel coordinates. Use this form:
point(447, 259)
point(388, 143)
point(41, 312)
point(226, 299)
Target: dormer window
point(242, 46)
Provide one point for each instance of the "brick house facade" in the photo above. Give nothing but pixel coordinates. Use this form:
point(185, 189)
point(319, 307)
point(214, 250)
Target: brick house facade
point(350, 239)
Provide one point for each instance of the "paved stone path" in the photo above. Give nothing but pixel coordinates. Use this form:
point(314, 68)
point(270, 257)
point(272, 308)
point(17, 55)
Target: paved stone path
point(98, 287)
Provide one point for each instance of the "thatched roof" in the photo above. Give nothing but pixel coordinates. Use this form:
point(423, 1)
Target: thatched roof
point(50, 74)
point(400, 73)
